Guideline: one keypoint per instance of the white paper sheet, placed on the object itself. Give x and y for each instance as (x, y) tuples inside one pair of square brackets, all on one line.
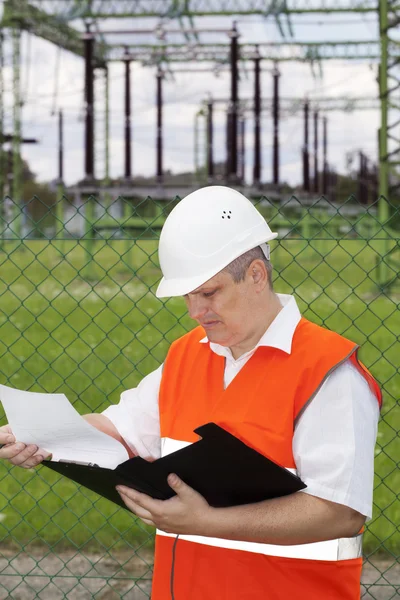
[(52, 423)]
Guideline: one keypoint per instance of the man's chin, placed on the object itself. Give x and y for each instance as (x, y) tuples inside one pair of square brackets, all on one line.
[(217, 337)]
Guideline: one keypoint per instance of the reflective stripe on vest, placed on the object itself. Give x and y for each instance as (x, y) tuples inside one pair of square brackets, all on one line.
[(332, 550)]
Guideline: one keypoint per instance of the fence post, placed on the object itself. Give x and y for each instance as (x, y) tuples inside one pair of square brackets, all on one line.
[(305, 224), (128, 213), (60, 226), (87, 271)]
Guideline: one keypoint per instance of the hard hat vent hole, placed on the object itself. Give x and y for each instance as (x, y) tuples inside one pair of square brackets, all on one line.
[(226, 214)]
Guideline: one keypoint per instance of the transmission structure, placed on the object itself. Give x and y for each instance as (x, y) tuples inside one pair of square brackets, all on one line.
[(81, 27)]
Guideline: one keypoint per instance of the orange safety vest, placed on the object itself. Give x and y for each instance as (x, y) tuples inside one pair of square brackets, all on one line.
[(260, 406)]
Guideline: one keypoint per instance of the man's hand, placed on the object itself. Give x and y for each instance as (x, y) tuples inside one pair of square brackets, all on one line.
[(187, 512), (17, 453), (29, 456), (295, 519)]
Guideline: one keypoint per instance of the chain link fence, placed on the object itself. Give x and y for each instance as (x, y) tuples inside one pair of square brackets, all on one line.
[(78, 315)]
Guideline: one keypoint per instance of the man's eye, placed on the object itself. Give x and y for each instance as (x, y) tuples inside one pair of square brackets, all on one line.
[(208, 294)]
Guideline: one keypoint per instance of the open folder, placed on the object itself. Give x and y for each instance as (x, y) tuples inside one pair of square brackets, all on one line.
[(219, 466)]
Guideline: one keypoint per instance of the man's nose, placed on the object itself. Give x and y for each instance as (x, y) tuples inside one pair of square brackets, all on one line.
[(196, 307)]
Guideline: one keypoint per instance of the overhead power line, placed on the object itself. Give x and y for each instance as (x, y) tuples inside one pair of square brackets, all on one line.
[(150, 54), (70, 10)]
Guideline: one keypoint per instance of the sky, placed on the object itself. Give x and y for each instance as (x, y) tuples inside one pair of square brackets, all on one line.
[(52, 80)]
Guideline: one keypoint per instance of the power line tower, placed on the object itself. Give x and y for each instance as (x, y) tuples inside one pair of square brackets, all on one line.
[(55, 21), (389, 85)]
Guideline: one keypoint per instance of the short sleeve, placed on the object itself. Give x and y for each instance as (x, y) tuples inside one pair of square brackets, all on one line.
[(334, 440), (136, 416)]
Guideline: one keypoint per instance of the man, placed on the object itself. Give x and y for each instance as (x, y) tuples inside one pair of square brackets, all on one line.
[(290, 389)]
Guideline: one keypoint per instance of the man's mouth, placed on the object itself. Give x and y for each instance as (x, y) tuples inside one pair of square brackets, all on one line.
[(208, 324)]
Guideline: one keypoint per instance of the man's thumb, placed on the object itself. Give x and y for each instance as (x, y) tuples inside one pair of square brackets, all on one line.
[(177, 484)]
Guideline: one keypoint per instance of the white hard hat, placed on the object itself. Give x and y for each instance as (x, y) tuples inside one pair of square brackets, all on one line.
[(206, 231)]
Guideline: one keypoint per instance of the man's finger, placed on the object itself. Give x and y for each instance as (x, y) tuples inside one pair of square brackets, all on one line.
[(23, 455), (140, 511), (36, 460), (31, 463), (6, 435), (5, 427), (11, 450), (149, 503), (149, 522)]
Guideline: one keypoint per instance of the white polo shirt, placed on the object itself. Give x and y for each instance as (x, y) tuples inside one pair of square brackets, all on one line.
[(334, 439)]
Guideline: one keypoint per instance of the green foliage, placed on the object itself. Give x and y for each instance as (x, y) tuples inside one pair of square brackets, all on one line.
[(39, 199)]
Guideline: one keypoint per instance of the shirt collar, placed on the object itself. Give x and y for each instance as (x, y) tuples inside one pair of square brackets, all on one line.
[(278, 335)]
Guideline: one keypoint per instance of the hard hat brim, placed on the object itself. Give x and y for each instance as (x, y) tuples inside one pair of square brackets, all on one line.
[(181, 286)]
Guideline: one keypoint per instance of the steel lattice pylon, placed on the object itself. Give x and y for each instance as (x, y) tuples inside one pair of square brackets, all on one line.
[(389, 83), (54, 20)]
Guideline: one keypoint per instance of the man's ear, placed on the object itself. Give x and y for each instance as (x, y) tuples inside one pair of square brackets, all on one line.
[(258, 273)]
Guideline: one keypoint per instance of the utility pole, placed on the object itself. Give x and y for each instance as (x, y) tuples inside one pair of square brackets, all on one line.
[(324, 156), (127, 127), (210, 141), (275, 116), (228, 132), (233, 107), (242, 148), (159, 144), (257, 120), (60, 147), (60, 180), (88, 40), (316, 178), (306, 153)]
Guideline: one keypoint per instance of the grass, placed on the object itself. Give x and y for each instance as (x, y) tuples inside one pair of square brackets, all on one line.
[(88, 324)]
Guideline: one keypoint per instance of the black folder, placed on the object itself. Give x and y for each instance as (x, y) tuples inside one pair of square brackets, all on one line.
[(219, 466)]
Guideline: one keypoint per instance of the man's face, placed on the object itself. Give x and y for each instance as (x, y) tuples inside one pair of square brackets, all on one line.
[(224, 308)]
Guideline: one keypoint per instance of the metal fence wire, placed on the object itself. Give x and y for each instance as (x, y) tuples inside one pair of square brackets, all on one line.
[(78, 315)]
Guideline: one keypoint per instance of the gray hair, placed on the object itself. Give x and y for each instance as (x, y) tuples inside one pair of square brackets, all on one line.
[(238, 267)]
